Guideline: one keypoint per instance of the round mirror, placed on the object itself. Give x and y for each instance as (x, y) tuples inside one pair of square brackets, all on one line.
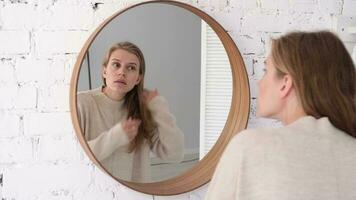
[(178, 47), (202, 99)]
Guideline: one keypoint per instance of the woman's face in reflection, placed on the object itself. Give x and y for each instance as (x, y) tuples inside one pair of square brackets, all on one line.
[(122, 72)]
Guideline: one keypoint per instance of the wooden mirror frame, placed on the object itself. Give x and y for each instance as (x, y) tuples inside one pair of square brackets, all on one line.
[(237, 119)]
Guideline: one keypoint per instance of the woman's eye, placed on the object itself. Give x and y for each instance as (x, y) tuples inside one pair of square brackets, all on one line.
[(115, 64), (132, 68)]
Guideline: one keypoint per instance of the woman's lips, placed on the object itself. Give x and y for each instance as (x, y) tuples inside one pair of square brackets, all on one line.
[(120, 82)]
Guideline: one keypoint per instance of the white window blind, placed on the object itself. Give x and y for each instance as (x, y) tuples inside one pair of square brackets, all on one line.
[(216, 89)]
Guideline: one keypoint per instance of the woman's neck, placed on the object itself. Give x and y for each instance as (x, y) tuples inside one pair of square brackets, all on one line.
[(112, 94), (292, 111), (287, 119)]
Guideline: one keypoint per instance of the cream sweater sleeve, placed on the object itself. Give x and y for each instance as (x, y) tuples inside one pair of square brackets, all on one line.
[(223, 185), (168, 142), (106, 142)]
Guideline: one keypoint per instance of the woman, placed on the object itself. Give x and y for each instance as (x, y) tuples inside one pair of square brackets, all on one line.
[(309, 85), (122, 122)]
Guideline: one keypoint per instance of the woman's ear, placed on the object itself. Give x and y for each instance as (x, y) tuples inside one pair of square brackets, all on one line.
[(103, 71), (286, 85), (139, 79)]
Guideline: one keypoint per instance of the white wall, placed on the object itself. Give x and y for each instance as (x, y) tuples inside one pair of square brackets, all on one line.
[(40, 157)]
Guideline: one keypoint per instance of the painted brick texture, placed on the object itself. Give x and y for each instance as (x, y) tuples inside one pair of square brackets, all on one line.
[(40, 157)]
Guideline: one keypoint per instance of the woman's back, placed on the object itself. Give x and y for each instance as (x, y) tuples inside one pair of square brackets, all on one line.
[(307, 159)]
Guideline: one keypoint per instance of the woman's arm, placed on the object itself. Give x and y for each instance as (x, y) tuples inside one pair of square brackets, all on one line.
[(232, 176), (106, 142), (168, 141), (223, 184)]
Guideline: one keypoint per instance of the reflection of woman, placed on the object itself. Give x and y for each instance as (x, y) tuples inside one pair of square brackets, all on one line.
[(123, 122), (309, 84)]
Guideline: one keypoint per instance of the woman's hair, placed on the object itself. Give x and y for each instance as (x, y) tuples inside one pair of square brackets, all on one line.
[(134, 102), (323, 74)]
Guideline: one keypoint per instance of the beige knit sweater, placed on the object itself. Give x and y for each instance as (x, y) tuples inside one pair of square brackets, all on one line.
[(307, 160), (100, 119)]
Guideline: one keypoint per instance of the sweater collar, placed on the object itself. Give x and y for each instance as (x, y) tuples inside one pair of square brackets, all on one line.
[(107, 100), (309, 120)]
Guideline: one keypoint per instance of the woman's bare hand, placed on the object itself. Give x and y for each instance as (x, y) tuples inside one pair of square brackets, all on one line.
[(149, 95), (130, 127)]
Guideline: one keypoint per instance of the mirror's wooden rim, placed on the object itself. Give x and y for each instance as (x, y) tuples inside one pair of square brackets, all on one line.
[(237, 119)]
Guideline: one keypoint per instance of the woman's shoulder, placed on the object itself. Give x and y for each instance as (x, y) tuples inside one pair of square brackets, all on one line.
[(302, 126), (91, 92), (88, 96), (304, 129), (256, 136)]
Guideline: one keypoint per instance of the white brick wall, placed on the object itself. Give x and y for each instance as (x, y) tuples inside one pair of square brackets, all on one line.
[(59, 42), (26, 97), (21, 16), (7, 75), (9, 124), (50, 123), (15, 150), (46, 180), (19, 43), (40, 157)]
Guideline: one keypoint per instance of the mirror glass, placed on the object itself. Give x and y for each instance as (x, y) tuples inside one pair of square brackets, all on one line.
[(187, 64)]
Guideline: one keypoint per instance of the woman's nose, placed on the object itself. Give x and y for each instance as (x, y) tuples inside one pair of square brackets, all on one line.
[(121, 71)]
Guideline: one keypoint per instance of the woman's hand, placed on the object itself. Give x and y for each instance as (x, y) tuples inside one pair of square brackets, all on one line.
[(149, 95), (130, 127)]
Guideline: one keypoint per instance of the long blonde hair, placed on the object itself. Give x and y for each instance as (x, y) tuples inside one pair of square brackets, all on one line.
[(134, 103), (323, 73)]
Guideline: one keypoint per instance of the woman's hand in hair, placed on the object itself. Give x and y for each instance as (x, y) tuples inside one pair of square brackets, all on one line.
[(130, 127), (149, 95)]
